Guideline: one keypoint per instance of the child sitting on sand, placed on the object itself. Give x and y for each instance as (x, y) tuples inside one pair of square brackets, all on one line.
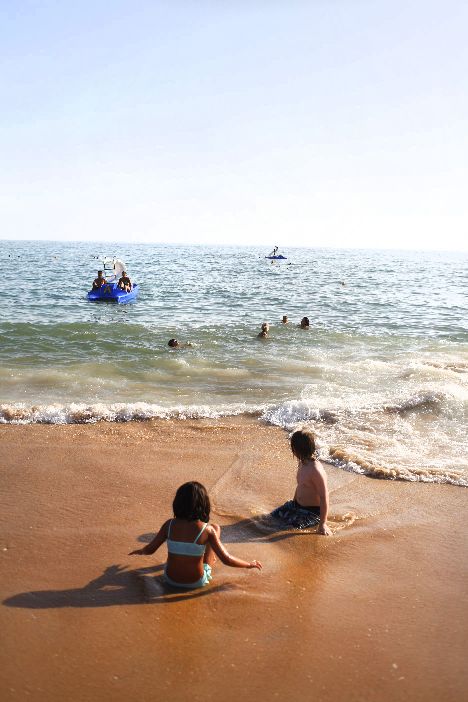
[(192, 543), (309, 506)]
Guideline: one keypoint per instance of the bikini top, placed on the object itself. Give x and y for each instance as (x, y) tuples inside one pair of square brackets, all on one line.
[(185, 548)]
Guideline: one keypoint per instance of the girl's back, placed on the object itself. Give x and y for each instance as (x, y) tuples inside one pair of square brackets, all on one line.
[(186, 544), (191, 542)]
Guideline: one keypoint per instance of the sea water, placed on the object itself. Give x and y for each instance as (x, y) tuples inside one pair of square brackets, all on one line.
[(381, 376)]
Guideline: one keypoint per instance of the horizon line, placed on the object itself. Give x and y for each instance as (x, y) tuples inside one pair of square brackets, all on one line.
[(227, 245)]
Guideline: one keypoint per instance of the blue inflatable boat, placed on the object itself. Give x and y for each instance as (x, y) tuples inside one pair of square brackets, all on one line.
[(113, 268), (110, 292)]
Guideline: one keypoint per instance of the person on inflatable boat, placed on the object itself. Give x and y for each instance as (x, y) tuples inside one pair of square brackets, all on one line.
[(99, 281), (125, 282)]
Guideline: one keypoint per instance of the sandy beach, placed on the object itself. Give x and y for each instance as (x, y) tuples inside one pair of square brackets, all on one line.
[(378, 611)]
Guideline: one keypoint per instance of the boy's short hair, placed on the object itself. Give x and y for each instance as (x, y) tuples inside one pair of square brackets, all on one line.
[(191, 502), (303, 444)]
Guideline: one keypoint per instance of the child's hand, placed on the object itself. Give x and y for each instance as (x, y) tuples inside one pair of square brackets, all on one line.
[(255, 564), (325, 530), (138, 552)]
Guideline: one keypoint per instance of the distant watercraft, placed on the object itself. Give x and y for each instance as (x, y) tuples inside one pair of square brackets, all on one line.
[(275, 256)]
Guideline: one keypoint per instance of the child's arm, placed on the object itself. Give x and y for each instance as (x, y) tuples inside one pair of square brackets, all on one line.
[(226, 557), (322, 489), (153, 546)]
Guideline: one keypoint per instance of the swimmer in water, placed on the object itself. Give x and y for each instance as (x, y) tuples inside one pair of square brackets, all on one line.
[(175, 344), (265, 329), (305, 324), (285, 319)]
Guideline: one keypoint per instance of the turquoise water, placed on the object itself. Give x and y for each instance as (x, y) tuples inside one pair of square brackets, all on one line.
[(381, 376)]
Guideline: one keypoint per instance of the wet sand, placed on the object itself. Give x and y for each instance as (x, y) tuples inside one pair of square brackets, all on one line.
[(378, 611)]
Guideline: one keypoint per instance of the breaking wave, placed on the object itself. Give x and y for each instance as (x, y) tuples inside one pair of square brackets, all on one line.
[(424, 402), (354, 463), (80, 413), (356, 439), (362, 439)]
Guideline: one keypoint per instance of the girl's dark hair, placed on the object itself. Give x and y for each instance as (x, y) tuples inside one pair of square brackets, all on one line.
[(191, 502), (303, 445)]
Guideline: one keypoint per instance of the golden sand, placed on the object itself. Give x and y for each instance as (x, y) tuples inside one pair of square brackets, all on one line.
[(375, 612)]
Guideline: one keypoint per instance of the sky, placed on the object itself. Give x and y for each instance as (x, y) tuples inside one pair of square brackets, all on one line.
[(338, 123)]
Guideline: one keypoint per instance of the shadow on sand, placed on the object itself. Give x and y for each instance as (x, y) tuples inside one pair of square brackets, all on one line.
[(263, 529), (118, 585)]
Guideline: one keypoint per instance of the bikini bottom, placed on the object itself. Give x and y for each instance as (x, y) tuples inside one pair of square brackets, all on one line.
[(204, 580)]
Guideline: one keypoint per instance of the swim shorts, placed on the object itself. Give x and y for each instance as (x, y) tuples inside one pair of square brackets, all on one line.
[(295, 516)]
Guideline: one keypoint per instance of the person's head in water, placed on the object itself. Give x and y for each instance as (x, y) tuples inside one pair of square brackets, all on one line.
[(303, 445), (173, 343), (305, 323), (285, 319), (265, 329), (191, 502)]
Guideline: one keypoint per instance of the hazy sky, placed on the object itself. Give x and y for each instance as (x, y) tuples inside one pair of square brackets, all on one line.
[(327, 122)]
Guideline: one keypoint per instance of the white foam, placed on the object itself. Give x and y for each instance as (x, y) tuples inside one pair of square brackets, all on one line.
[(291, 413), (384, 455), (81, 413), (388, 472), (361, 440)]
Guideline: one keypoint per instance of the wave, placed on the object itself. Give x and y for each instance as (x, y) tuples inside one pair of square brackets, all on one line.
[(455, 367), (288, 414), (81, 413), (391, 452), (423, 402), (292, 412), (354, 463), (362, 440)]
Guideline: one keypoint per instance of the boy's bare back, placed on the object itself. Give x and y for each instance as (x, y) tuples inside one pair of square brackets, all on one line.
[(311, 491), (311, 483)]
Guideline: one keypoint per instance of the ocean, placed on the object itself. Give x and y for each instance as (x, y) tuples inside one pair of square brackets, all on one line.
[(381, 376)]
